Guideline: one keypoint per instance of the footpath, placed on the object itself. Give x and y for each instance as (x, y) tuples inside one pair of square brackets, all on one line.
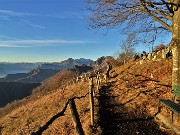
[(115, 119), (128, 103)]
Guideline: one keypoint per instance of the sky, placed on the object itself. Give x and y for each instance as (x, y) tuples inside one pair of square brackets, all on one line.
[(52, 31)]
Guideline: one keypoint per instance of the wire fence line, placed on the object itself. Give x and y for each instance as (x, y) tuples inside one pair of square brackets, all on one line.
[(61, 113), (73, 109)]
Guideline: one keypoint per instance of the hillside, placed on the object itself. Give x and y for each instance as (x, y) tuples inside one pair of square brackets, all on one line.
[(126, 105), (42, 106), (14, 87), (35, 76), (10, 91)]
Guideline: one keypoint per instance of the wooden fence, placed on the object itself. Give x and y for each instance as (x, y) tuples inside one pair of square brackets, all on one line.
[(73, 109)]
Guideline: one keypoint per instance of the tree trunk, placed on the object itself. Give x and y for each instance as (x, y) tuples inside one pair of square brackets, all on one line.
[(175, 43)]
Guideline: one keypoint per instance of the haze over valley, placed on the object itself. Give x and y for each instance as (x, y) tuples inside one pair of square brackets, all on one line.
[(22, 78)]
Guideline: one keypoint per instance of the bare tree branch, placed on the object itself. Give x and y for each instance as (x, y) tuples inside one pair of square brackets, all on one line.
[(132, 16)]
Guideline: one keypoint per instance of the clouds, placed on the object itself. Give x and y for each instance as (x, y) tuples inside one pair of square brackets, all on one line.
[(20, 17), (61, 15), (25, 18), (10, 13), (45, 29), (21, 24), (41, 43), (4, 17), (32, 24)]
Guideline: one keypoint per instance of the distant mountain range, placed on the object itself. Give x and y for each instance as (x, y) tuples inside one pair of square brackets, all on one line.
[(43, 71), (44, 77), (13, 68), (20, 85), (66, 64)]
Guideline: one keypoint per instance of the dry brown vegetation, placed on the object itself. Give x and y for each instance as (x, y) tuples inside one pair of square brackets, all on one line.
[(52, 84), (57, 81), (137, 88), (133, 89), (30, 117)]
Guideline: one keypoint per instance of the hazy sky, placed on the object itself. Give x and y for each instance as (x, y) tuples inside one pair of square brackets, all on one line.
[(51, 31)]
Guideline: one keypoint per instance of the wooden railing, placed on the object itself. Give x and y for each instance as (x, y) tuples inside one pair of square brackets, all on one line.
[(73, 109)]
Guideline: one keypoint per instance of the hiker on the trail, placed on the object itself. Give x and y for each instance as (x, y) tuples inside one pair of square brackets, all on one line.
[(98, 78), (78, 79), (169, 54), (108, 69), (149, 56), (144, 55), (136, 56), (91, 81)]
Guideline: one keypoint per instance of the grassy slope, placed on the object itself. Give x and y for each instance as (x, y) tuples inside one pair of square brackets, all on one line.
[(34, 114), (136, 86)]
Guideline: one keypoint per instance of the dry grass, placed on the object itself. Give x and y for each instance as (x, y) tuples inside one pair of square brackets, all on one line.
[(34, 114), (136, 87), (139, 86)]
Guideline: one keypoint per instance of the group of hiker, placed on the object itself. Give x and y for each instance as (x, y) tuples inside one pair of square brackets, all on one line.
[(165, 53), (98, 74)]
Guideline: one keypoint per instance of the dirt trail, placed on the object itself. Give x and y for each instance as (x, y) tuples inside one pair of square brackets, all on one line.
[(116, 120)]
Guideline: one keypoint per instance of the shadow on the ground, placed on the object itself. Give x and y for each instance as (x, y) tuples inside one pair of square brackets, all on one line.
[(147, 79), (114, 119)]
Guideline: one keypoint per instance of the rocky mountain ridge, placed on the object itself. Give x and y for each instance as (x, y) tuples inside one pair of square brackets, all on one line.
[(44, 71), (34, 78), (66, 64)]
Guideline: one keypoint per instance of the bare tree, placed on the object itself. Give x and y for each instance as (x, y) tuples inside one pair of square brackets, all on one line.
[(127, 48), (141, 16)]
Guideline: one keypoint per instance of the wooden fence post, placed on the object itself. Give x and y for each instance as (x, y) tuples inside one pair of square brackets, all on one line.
[(91, 99), (75, 117)]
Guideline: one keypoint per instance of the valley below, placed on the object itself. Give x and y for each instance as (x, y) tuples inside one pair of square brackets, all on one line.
[(17, 80), (10, 91)]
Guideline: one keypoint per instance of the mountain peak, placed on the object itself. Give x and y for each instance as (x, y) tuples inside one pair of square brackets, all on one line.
[(70, 62)]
